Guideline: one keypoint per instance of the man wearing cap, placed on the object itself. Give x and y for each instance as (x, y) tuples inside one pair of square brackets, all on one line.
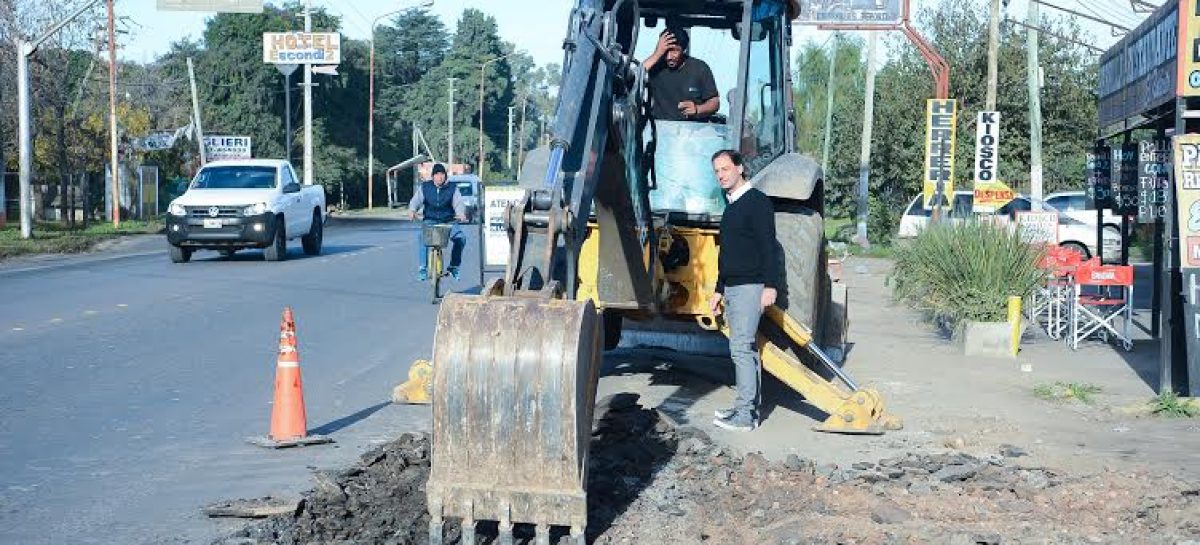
[(682, 87), (441, 203)]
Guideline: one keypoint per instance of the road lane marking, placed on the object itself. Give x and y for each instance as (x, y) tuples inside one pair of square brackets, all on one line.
[(18, 329), (56, 320), (122, 305), (91, 312)]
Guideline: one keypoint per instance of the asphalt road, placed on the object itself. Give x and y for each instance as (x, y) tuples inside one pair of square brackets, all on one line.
[(130, 384)]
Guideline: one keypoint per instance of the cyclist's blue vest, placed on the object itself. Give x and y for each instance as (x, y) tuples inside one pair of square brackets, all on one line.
[(439, 202)]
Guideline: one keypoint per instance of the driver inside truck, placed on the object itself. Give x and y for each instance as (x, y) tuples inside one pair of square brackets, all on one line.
[(682, 87)]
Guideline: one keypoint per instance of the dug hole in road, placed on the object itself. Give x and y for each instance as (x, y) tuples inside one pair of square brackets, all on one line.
[(980, 460)]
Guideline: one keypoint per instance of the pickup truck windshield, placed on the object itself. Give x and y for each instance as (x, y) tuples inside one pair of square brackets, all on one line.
[(240, 177)]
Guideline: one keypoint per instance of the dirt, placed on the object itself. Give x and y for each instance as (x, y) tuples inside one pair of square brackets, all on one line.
[(653, 482)]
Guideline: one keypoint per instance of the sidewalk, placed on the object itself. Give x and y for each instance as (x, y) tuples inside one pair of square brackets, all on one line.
[(972, 404)]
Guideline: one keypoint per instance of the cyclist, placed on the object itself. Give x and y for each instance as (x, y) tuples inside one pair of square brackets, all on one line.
[(441, 203)]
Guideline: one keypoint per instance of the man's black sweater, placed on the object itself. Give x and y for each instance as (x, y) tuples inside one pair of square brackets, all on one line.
[(748, 246)]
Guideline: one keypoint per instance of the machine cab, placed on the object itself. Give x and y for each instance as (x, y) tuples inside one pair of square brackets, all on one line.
[(747, 63)]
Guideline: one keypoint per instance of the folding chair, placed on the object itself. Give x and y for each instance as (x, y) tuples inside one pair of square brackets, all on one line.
[(1101, 294), (1050, 299)]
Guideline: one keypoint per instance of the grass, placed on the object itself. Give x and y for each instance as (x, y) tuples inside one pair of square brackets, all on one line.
[(1170, 405), (1064, 391), (54, 238)]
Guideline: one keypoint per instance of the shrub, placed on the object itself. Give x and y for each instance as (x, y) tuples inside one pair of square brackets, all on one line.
[(965, 271)]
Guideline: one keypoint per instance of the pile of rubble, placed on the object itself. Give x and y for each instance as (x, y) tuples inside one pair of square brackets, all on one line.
[(650, 481)]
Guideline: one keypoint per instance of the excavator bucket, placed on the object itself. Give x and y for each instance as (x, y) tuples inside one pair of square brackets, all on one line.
[(514, 387)]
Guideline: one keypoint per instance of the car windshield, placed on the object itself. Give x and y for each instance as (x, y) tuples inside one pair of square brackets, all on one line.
[(235, 177), (464, 189)]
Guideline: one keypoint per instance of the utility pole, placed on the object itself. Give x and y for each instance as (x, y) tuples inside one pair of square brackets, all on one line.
[(993, 54), (308, 143), (286, 70), (24, 50), (521, 138), (196, 113), (864, 161), (450, 127), (510, 131), (112, 115), (1035, 110), (829, 106)]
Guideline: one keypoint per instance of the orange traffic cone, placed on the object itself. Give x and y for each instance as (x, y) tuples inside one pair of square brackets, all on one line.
[(289, 423)]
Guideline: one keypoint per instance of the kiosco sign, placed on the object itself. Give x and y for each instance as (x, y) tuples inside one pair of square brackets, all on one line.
[(302, 47)]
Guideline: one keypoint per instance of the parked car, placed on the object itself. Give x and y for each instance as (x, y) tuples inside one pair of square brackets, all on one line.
[(249, 203), (469, 187), (1079, 206), (1077, 234)]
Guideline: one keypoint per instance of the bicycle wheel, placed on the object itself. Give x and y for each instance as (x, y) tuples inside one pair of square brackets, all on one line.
[(435, 272)]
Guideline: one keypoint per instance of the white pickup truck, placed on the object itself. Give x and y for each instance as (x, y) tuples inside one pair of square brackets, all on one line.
[(250, 203)]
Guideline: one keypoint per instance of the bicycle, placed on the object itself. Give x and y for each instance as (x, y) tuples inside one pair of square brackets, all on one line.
[(435, 237)]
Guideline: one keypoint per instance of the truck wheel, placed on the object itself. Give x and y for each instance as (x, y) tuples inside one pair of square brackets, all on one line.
[(179, 254), (804, 294), (316, 233), (277, 251)]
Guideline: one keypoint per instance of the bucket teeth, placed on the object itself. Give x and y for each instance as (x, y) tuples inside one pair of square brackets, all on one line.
[(435, 532), (506, 533), (468, 532), (542, 537)]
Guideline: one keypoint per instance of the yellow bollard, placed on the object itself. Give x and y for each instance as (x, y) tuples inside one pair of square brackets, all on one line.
[(1014, 320)]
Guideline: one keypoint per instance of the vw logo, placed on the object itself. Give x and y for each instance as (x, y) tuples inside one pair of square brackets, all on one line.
[(213, 211)]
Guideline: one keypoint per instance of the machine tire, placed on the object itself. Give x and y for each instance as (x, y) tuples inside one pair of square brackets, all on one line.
[(179, 254), (316, 234), (277, 251), (805, 291)]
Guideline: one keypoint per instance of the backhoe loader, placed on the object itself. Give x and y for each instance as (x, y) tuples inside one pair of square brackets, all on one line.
[(619, 222)]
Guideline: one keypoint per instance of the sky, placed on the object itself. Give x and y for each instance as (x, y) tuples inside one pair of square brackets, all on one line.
[(536, 26)]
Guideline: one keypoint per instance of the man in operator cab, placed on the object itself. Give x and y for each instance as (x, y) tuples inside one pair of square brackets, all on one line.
[(682, 87), (441, 203)]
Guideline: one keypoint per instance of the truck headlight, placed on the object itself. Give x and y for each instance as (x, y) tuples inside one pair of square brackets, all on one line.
[(177, 210), (255, 209)]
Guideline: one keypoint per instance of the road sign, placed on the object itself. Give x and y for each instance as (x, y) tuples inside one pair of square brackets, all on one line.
[(327, 69), (941, 117), (1153, 178), (987, 147), (220, 6), (495, 235), (843, 12), (991, 196), (286, 69), (219, 148), (302, 47), (1038, 227)]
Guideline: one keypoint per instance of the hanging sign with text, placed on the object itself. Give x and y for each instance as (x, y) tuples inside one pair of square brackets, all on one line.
[(1153, 170), (1127, 191), (1099, 174), (941, 117)]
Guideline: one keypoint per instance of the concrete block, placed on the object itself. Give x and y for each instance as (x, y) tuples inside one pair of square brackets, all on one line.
[(986, 339)]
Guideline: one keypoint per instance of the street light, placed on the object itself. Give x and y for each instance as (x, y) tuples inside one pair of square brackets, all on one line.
[(482, 69), (371, 105), (25, 49)]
